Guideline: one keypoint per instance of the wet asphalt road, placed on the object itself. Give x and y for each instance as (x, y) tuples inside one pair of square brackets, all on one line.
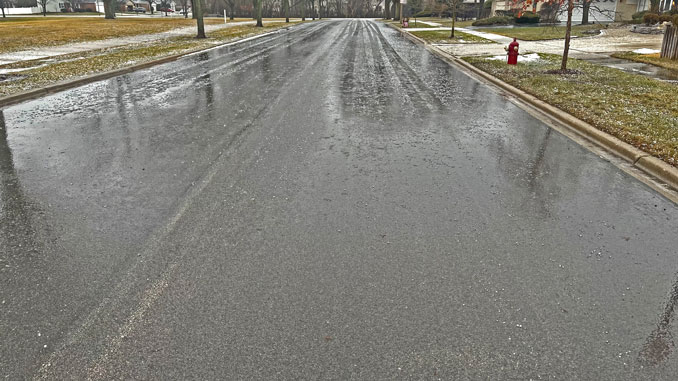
[(328, 202)]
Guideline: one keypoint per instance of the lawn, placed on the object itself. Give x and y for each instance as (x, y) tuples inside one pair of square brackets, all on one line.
[(81, 64), (443, 37), (634, 108), (419, 24), (652, 59), (30, 32), (542, 32), (444, 22)]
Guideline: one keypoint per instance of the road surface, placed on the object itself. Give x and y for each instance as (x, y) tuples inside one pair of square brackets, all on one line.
[(327, 202)]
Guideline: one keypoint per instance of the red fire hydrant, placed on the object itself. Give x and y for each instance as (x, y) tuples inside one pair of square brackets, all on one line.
[(512, 52)]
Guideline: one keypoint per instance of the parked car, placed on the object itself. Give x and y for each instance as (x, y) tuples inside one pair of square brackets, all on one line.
[(139, 10), (166, 10)]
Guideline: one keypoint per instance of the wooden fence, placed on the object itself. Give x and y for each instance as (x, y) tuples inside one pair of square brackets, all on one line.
[(670, 43)]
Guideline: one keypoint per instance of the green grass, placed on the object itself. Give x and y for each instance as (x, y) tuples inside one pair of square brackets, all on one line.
[(419, 24), (652, 59), (444, 22), (542, 32), (634, 108), (443, 37)]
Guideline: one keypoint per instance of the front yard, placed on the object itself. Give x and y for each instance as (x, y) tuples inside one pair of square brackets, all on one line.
[(35, 32), (636, 109), (537, 33), (45, 72), (443, 37)]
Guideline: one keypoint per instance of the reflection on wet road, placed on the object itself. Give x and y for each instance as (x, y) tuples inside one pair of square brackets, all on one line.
[(330, 201)]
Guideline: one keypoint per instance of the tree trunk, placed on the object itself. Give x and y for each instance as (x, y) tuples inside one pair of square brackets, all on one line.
[(454, 17), (397, 11), (303, 10), (232, 6), (3, 10), (286, 9), (197, 13), (259, 23), (387, 9), (586, 7), (568, 34)]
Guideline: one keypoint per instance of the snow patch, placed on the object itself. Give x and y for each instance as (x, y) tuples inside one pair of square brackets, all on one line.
[(646, 51), (521, 58)]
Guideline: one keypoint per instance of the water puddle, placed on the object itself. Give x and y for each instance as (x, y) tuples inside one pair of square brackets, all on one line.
[(633, 67)]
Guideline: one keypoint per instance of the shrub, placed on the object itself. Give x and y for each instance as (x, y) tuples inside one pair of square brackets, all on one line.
[(665, 18), (650, 18), (528, 18), (424, 13), (510, 13), (497, 20), (638, 15), (549, 12)]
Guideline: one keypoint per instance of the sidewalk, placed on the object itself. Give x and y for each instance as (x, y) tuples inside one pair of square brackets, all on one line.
[(610, 41), (79, 47)]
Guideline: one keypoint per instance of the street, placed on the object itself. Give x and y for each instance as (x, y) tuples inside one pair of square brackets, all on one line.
[(327, 202)]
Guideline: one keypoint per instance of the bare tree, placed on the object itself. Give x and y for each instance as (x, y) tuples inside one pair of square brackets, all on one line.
[(568, 35), (259, 22), (230, 5), (43, 5), (109, 9), (184, 7), (586, 9), (198, 15), (2, 7)]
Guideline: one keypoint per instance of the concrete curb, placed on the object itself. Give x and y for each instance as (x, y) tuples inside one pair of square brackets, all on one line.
[(71, 83), (651, 165)]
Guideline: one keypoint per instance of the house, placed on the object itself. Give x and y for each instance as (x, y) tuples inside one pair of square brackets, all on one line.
[(665, 5), (28, 7), (129, 6), (601, 10), (90, 5)]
